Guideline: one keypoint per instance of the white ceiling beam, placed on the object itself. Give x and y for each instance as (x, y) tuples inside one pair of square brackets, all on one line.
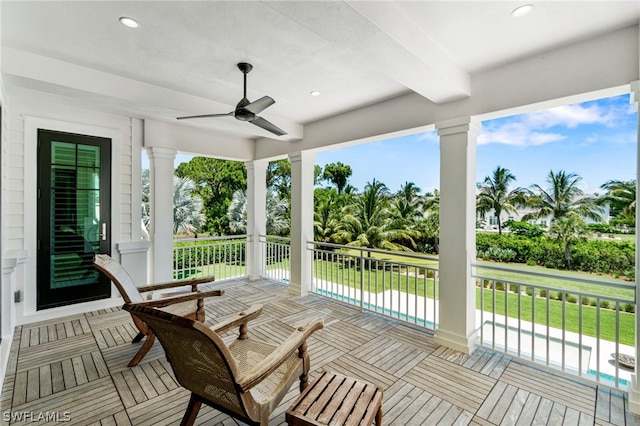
[(386, 41)]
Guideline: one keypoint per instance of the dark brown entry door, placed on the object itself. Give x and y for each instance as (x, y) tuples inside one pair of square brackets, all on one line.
[(74, 175)]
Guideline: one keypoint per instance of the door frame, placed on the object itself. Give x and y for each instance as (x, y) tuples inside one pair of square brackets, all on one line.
[(27, 310), (47, 296)]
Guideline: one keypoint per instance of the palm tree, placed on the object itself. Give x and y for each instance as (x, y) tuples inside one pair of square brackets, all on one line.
[(368, 222), (277, 221), (621, 196), (429, 225), (406, 204), (495, 195), (187, 208), (325, 216), (561, 197), (569, 229)]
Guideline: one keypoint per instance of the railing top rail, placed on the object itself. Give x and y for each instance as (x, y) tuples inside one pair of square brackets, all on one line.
[(369, 250), (263, 238), (216, 238), (546, 275)]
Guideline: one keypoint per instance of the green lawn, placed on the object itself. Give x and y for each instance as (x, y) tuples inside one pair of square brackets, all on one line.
[(573, 311), (412, 280), (406, 279)]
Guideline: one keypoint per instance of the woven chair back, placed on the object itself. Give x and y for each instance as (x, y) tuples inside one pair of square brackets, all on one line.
[(118, 276), (199, 358)]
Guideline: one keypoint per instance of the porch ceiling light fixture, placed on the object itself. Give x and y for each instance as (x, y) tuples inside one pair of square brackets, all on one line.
[(129, 22), (522, 10), (314, 93)]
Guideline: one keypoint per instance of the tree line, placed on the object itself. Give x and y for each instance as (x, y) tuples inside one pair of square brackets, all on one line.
[(404, 220)]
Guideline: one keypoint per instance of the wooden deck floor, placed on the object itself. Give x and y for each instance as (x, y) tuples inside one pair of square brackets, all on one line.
[(75, 369)]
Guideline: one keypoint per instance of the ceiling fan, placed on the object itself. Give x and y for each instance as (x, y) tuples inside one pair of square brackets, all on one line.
[(246, 110)]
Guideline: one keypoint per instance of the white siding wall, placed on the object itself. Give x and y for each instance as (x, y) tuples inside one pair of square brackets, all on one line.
[(25, 116)]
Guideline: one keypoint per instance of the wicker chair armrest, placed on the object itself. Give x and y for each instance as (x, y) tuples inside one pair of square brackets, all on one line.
[(193, 282), (268, 365), (236, 320), (167, 301)]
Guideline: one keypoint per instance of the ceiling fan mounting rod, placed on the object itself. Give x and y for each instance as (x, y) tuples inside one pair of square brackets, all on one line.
[(246, 69)]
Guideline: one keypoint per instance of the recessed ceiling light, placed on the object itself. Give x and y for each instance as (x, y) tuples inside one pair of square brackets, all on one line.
[(314, 93), (522, 10), (129, 22)]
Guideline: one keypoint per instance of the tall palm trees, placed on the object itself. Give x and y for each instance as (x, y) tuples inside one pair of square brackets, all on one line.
[(187, 208), (368, 222), (277, 222), (407, 204), (621, 195), (562, 196), (495, 195)]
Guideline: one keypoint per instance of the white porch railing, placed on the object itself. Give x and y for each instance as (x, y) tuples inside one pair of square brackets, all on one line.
[(224, 257), (400, 285), (576, 325), (276, 255)]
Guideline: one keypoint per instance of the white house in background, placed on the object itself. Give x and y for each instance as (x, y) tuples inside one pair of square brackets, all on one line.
[(489, 222)]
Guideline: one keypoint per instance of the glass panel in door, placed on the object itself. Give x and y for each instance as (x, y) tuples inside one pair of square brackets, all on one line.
[(73, 217)]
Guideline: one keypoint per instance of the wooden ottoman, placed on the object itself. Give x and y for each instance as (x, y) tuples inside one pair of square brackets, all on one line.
[(336, 400)]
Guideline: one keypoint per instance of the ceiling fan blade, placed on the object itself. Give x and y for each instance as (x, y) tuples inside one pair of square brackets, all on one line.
[(260, 105), (261, 122), (205, 116)]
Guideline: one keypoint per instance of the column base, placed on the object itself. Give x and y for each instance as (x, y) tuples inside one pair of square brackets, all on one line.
[(462, 344), (297, 290), (634, 395)]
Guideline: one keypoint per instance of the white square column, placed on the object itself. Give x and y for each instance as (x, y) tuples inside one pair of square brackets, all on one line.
[(457, 328), (634, 387), (256, 215), (302, 165), (161, 212)]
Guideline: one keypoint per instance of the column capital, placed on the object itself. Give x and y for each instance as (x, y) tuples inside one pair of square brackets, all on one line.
[(635, 94), (251, 164), (161, 153), (459, 125), (298, 155)]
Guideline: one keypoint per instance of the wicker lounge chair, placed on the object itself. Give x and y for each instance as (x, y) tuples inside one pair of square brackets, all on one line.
[(247, 379), (188, 303)]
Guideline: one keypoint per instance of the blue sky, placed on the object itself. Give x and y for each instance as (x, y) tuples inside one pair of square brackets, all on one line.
[(596, 140)]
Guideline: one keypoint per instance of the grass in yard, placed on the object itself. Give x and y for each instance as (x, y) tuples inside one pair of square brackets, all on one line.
[(590, 327), (412, 279)]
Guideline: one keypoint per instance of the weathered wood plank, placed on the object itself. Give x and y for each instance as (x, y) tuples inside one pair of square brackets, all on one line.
[(79, 364)]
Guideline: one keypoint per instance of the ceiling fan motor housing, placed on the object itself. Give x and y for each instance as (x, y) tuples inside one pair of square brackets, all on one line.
[(241, 113)]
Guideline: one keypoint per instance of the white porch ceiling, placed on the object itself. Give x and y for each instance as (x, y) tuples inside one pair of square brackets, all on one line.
[(182, 59)]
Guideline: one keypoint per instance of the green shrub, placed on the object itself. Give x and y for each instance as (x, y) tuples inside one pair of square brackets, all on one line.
[(524, 229), (605, 304), (629, 307), (597, 256), (513, 288), (585, 300), (529, 291), (543, 293), (571, 298), (499, 286)]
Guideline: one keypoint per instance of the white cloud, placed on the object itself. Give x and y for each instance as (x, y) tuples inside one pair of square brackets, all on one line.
[(536, 128), (516, 133), (572, 116)]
